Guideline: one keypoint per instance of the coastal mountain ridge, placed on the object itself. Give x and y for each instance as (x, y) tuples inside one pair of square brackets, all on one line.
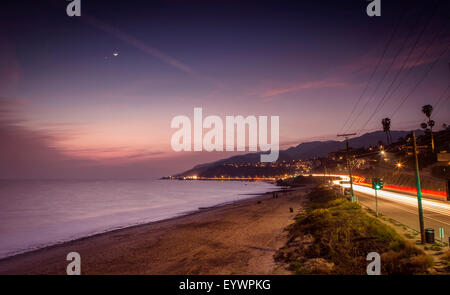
[(306, 150)]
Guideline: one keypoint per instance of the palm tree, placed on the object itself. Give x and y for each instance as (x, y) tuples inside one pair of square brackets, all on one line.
[(386, 122), (428, 110)]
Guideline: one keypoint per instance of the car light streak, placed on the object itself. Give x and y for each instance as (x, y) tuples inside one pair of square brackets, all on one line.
[(434, 206)]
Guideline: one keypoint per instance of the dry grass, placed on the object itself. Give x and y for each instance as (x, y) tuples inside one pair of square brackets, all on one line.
[(342, 234), (446, 257)]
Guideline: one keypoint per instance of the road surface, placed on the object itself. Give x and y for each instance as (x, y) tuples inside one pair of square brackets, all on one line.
[(403, 207), (408, 214)]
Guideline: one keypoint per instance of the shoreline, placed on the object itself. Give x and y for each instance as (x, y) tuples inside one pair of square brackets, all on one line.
[(100, 231), (31, 262)]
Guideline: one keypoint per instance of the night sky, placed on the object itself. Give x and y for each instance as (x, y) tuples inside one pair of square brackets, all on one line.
[(70, 108)]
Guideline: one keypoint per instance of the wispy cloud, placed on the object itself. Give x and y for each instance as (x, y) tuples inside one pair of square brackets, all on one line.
[(340, 76), (424, 53), (271, 94), (27, 152), (113, 155)]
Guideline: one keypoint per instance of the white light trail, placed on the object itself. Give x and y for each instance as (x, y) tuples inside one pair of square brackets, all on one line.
[(434, 206)]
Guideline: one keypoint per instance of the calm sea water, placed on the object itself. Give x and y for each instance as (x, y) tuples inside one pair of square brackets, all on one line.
[(35, 214)]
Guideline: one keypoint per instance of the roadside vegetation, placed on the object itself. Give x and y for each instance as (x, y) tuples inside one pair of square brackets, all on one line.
[(333, 236), (298, 181), (446, 258)]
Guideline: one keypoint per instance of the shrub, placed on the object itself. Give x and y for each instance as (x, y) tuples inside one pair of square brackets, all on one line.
[(446, 257), (342, 236)]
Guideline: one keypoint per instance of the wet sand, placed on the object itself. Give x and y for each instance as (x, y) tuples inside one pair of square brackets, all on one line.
[(238, 238)]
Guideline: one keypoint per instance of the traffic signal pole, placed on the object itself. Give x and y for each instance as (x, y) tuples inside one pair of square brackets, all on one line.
[(419, 193), (376, 201)]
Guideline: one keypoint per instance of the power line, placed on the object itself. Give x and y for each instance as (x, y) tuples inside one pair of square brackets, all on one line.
[(420, 81), (437, 112), (438, 109), (386, 46), (410, 33), (441, 97), (383, 99), (438, 104), (438, 33)]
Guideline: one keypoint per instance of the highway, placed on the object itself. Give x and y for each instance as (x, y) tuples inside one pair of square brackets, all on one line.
[(403, 207)]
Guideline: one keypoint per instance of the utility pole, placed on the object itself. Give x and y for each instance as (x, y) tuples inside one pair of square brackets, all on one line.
[(376, 202), (419, 193), (327, 171), (349, 164)]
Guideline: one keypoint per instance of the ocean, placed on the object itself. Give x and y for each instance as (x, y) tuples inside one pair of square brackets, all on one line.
[(39, 213)]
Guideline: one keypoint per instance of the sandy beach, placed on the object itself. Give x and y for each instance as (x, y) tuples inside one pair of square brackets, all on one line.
[(237, 238)]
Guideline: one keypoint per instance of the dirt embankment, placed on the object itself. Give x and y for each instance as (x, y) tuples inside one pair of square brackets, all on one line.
[(403, 178)]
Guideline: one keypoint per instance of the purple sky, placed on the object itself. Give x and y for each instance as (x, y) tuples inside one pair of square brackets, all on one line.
[(69, 108)]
